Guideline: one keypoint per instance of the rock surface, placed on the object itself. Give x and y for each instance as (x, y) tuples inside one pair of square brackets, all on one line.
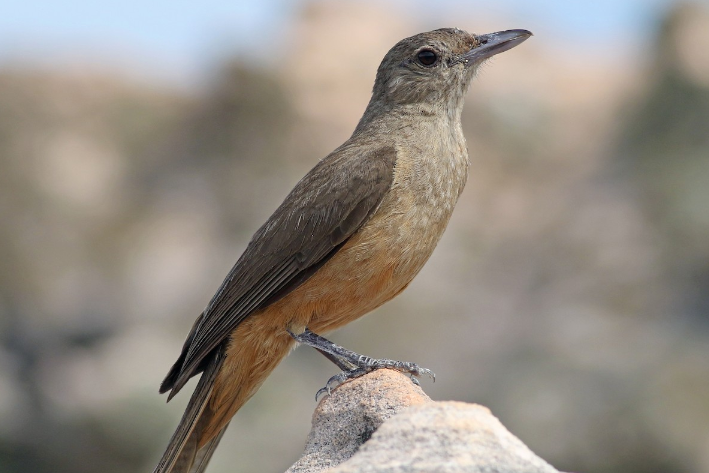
[(382, 422)]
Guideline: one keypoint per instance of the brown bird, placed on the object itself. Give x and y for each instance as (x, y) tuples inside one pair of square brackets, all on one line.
[(351, 235)]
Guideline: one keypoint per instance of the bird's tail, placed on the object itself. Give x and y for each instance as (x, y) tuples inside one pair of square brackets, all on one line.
[(231, 376), (183, 453)]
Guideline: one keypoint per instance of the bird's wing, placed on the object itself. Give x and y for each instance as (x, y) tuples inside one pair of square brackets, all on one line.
[(323, 210)]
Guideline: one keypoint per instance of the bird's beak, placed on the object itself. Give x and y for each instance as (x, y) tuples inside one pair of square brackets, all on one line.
[(494, 43)]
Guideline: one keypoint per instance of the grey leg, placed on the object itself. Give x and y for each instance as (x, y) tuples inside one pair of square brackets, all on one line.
[(353, 364)]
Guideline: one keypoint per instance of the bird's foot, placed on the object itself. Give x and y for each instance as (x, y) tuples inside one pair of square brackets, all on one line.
[(338, 379), (354, 365), (373, 364)]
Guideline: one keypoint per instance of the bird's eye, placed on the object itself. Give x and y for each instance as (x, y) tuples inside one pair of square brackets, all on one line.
[(427, 57)]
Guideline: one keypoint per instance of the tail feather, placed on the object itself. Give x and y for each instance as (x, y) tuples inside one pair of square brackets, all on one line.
[(182, 450), (204, 454)]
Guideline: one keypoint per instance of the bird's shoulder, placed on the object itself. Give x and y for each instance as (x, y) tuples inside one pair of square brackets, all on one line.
[(352, 176)]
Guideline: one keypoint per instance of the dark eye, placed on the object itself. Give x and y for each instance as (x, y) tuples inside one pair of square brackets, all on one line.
[(427, 57)]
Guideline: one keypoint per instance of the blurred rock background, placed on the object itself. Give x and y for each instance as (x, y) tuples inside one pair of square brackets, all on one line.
[(570, 293)]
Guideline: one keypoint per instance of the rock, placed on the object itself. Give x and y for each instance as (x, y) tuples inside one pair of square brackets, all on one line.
[(346, 419), (382, 422)]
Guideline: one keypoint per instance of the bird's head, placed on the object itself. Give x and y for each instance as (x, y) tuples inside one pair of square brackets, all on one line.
[(435, 68)]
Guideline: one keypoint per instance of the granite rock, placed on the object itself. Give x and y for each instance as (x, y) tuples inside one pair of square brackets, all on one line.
[(382, 422)]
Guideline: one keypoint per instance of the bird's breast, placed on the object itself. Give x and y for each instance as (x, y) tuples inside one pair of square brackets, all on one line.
[(383, 256)]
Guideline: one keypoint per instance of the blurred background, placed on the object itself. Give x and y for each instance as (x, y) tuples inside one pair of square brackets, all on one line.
[(142, 144)]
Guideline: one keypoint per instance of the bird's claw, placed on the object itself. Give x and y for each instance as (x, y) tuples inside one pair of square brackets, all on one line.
[(322, 391), (427, 372), (338, 379), (412, 369), (417, 371)]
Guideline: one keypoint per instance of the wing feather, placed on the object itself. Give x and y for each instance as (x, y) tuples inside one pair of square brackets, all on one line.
[(324, 209)]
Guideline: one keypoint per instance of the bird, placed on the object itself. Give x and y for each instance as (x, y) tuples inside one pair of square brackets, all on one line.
[(351, 235)]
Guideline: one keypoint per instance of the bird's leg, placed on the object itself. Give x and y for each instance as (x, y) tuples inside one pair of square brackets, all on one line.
[(341, 363), (353, 364)]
